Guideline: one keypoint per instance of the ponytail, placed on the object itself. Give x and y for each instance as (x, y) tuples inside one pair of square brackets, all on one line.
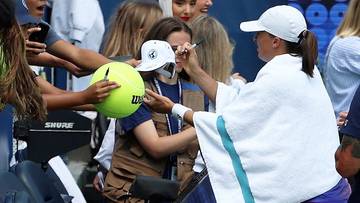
[(307, 48)]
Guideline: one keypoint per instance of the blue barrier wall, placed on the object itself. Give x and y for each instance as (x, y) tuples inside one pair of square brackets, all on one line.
[(323, 17)]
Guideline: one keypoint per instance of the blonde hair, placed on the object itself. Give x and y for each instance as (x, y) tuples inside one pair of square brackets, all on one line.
[(129, 26), (215, 52), (350, 25)]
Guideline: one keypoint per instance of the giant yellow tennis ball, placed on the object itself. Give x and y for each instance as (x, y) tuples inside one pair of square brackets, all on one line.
[(126, 99)]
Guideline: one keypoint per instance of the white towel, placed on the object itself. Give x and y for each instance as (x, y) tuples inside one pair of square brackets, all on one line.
[(284, 131)]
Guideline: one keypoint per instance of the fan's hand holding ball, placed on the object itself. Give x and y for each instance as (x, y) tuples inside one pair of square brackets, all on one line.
[(125, 100), (98, 91)]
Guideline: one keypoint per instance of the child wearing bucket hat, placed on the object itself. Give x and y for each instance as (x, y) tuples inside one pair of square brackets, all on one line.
[(275, 136)]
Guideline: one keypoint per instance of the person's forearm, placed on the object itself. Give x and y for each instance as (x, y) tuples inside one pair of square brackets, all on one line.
[(85, 107), (47, 60), (207, 84), (83, 58), (170, 144), (189, 117), (91, 59), (48, 88), (60, 62), (66, 100), (44, 59)]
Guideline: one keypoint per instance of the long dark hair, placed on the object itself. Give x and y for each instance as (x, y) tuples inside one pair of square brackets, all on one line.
[(307, 47), (163, 28), (17, 82)]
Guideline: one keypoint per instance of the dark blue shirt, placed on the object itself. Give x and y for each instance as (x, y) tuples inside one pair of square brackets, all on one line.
[(352, 127), (139, 116), (144, 113)]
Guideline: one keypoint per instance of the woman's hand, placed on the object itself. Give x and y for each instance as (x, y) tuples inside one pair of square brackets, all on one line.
[(186, 55), (73, 69), (35, 47), (157, 102), (98, 182), (98, 91), (188, 58), (31, 46), (133, 62)]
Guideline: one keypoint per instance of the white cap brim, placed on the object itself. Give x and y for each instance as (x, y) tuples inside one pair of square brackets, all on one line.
[(251, 26), (145, 67)]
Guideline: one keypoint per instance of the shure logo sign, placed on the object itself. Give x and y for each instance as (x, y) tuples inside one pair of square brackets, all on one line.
[(64, 125)]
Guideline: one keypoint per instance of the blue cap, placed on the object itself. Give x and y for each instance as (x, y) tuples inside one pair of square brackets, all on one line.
[(352, 126), (22, 14)]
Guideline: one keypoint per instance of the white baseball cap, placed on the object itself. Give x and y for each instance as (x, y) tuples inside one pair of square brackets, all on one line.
[(283, 21), (157, 55)]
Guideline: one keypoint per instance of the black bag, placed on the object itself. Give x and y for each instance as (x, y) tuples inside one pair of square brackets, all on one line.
[(154, 188)]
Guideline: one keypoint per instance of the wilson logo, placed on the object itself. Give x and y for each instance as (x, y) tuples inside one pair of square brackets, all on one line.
[(62, 125), (137, 99)]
